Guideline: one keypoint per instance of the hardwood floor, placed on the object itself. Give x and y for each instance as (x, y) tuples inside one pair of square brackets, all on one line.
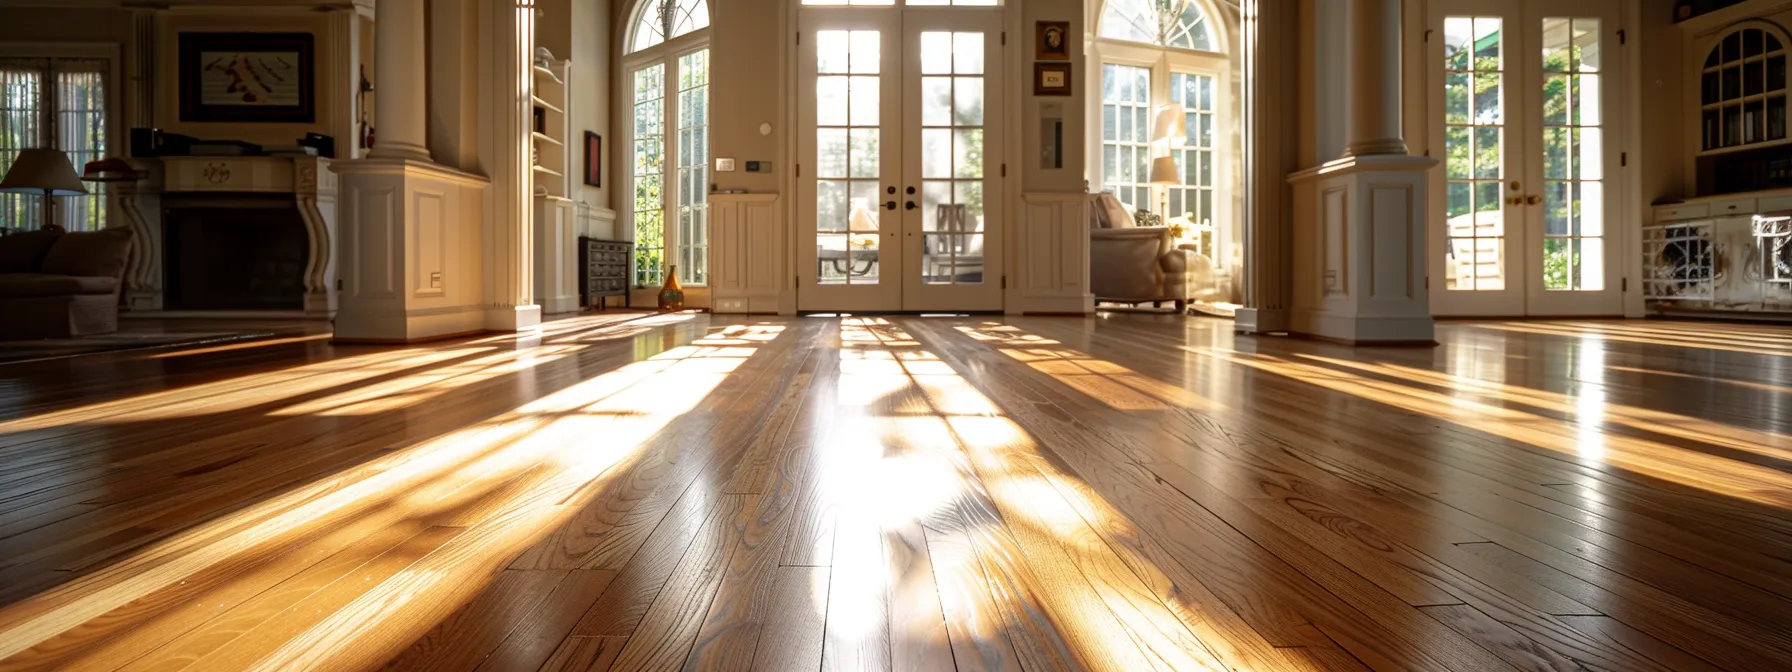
[(1130, 492)]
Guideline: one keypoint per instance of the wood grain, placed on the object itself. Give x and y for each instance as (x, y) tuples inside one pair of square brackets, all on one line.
[(901, 493)]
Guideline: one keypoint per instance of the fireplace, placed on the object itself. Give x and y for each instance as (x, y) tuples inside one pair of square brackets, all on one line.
[(233, 253), (249, 233)]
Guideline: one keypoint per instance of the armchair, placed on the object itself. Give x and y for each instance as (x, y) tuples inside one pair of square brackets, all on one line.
[(1143, 265)]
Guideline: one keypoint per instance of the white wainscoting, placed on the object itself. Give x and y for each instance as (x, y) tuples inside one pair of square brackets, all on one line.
[(556, 255), (411, 256), (749, 263), (1050, 244)]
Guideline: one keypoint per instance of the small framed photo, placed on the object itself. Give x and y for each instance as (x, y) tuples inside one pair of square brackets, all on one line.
[(1051, 79), (1051, 40), (247, 77), (594, 159)]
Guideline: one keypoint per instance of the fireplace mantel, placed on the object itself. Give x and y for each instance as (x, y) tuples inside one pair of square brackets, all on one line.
[(308, 179)]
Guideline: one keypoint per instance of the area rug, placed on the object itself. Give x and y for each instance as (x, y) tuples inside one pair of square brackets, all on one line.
[(12, 352)]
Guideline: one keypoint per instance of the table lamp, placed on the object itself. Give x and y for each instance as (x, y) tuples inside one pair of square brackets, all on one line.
[(44, 172)]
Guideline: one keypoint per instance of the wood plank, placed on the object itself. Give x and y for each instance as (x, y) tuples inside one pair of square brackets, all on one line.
[(668, 630), (793, 640), (542, 633), (585, 654), (466, 637)]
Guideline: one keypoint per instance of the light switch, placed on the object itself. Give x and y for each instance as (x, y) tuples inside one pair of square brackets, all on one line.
[(435, 279), (725, 165)]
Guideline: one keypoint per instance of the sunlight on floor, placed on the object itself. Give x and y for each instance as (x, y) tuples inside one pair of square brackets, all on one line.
[(507, 481)]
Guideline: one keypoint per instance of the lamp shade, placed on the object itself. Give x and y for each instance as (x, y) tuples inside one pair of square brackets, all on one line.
[(1171, 124), (45, 172), (109, 170), (860, 219), (1163, 171)]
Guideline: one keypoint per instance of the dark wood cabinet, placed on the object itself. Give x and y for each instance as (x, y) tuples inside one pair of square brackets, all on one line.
[(603, 270)]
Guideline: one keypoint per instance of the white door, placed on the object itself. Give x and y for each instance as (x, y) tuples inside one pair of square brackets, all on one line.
[(899, 186), (1523, 218)]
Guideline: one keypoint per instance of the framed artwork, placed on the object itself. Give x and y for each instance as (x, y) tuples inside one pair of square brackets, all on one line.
[(1051, 79), (1051, 40), (594, 159), (254, 77)]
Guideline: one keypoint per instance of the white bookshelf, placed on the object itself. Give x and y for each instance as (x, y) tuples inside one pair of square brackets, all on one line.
[(556, 237)]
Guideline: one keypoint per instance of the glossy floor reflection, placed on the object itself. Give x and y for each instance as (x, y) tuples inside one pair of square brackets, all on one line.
[(1128, 492)]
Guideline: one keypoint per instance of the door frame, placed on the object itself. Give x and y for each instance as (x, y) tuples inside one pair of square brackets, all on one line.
[(1621, 133)]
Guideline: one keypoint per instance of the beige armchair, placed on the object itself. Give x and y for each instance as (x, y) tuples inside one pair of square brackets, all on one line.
[(1143, 265)]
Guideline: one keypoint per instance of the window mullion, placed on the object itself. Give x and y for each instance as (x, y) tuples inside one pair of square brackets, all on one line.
[(669, 233)]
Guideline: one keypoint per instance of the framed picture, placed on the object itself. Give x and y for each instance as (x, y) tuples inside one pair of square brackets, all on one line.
[(594, 159), (1051, 40), (1051, 79), (254, 77)]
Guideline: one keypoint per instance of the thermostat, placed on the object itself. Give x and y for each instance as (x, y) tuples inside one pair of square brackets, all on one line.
[(727, 165)]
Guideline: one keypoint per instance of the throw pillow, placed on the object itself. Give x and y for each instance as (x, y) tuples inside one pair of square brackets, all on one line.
[(102, 253), (24, 252)]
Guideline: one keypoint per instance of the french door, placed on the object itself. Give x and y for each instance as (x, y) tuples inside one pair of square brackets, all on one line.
[(1524, 211), (899, 184)]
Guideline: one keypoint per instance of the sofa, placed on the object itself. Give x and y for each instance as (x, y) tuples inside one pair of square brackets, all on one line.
[(56, 285), (1141, 264)]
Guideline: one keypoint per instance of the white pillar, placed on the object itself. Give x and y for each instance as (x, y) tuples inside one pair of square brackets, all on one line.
[(1372, 79), (507, 47), (399, 97)]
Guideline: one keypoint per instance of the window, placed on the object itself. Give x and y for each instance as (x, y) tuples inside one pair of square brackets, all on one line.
[(58, 103), (1155, 54), (1126, 134), (1165, 23), (668, 129), (1742, 89)]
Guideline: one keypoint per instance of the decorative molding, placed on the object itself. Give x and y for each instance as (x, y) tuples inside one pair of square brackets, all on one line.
[(1051, 260), (1358, 250), (748, 262)]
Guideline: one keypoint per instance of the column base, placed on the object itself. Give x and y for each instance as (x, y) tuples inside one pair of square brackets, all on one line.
[(1261, 320), (512, 318), (1359, 251), (140, 300)]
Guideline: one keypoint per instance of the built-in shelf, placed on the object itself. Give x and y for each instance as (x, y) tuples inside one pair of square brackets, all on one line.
[(546, 105), (549, 171), (548, 138), (548, 73)]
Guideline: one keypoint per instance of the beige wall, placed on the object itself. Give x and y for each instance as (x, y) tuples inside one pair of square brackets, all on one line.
[(590, 34)]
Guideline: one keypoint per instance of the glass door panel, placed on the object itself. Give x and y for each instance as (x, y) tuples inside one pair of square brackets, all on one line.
[(1474, 253), (850, 74), (1573, 275), (952, 101)]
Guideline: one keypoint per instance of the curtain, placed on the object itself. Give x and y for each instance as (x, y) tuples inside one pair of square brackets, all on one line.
[(58, 103), (81, 133), (21, 127)]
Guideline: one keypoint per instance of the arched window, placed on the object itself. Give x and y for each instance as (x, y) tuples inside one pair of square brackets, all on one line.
[(1154, 59), (666, 132), (1165, 23), (1742, 88)]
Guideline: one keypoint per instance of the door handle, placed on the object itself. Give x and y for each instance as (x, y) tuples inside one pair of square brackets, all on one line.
[(1533, 199), (910, 205), (889, 205), (1515, 200)]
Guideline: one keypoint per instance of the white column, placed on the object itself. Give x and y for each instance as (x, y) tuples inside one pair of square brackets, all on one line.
[(399, 96), (342, 58), (507, 46), (1271, 70), (1372, 79)]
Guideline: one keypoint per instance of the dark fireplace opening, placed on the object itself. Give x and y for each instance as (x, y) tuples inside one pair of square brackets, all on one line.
[(234, 254)]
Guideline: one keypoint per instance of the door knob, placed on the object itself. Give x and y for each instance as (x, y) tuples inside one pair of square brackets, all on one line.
[(1533, 199), (1515, 200), (889, 205), (910, 205)]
